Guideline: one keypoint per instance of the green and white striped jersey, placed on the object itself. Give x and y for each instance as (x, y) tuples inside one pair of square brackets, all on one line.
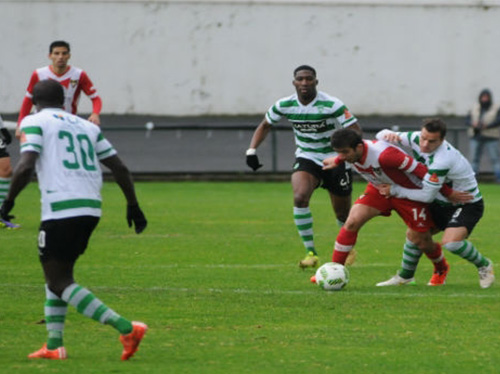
[(446, 164), (68, 170), (313, 124)]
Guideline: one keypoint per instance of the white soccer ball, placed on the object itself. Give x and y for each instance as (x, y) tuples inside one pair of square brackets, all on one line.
[(332, 276)]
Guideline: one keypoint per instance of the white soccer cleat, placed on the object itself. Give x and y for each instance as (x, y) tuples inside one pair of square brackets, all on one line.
[(486, 275), (397, 281)]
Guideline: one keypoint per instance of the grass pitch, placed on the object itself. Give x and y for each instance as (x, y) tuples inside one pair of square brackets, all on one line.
[(215, 277)]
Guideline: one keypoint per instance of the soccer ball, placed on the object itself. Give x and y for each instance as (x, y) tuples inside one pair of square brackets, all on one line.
[(332, 276)]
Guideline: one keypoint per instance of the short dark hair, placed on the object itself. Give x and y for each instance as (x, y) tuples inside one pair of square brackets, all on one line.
[(435, 125), (48, 93), (304, 67), (59, 43), (343, 138)]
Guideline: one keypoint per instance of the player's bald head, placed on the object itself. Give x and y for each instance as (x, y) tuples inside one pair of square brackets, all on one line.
[(48, 93)]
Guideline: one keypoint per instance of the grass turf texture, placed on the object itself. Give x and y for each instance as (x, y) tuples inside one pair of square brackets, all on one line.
[(215, 276)]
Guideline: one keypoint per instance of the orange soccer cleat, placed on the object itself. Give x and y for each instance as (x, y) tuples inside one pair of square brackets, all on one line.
[(439, 277), (131, 341), (51, 354)]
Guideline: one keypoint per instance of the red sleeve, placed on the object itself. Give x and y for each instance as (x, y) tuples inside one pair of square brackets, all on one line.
[(338, 160), (393, 158), (96, 105), (91, 91), (27, 103), (446, 190), (87, 85)]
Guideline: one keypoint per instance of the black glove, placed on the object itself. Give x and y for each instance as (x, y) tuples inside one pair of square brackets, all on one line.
[(135, 215), (6, 207), (7, 138), (253, 162)]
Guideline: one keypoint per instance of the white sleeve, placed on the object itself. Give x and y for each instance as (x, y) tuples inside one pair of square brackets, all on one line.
[(426, 194), (382, 133)]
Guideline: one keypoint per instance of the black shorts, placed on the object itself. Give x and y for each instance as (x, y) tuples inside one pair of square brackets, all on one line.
[(467, 215), (65, 239), (338, 180), (3, 151)]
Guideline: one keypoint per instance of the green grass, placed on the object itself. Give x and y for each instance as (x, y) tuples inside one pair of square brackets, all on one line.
[(215, 276)]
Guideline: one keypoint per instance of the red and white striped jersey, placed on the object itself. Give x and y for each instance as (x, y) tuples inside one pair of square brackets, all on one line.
[(383, 163)]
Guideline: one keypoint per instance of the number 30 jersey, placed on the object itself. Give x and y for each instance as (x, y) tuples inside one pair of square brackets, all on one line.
[(68, 170)]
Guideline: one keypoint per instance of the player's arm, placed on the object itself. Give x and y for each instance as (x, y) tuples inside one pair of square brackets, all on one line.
[(332, 162), (21, 177), (27, 103), (89, 90), (258, 137), (124, 180)]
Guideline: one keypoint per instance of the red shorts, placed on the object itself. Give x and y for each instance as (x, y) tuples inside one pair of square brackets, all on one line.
[(415, 214)]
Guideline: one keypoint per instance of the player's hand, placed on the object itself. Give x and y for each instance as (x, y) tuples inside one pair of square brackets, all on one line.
[(329, 163), (5, 209), (392, 137), (5, 136), (94, 118), (253, 160), (384, 189), (459, 197), (136, 216)]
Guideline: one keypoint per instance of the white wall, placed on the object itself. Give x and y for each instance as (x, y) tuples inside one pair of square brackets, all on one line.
[(236, 57)]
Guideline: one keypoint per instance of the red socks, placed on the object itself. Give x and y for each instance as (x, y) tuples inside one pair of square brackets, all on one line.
[(343, 245)]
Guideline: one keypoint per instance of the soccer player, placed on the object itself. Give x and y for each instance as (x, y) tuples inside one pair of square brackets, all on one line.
[(446, 165), (382, 163), (65, 150), (73, 79), (5, 170), (314, 115)]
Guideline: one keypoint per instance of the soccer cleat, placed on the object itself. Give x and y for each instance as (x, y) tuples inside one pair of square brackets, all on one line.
[(486, 275), (313, 279), (351, 257), (51, 354), (439, 277), (8, 224), (397, 280), (310, 261), (131, 341)]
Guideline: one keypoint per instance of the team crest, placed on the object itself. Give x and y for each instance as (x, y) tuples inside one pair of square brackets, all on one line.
[(434, 178), (73, 82)]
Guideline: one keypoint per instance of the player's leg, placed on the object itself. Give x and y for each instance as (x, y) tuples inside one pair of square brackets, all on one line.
[(455, 240), (347, 236), (338, 183), (434, 252), (417, 217), (5, 178), (61, 242), (304, 182)]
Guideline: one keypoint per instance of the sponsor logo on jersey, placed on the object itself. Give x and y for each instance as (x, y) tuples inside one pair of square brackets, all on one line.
[(310, 126)]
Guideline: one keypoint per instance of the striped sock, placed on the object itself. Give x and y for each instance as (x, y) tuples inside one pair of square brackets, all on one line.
[(467, 251), (304, 222), (55, 314), (4, 188), (87, 304), (411, 256)]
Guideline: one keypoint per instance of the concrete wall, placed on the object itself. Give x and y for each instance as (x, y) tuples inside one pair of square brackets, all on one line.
[(236, 57)]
